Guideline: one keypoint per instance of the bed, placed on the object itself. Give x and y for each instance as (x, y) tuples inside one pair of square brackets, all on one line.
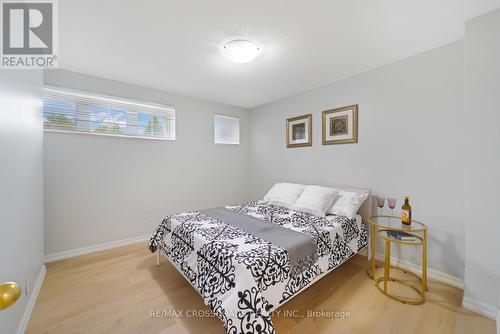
[(242, 276)]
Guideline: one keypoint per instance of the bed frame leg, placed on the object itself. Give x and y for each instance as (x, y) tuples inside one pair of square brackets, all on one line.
[(157, 258)]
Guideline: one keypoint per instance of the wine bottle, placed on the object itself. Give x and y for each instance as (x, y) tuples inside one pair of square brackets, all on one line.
[(406, 212)]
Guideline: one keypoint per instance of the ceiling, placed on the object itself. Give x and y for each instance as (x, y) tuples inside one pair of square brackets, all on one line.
[(172, 45)]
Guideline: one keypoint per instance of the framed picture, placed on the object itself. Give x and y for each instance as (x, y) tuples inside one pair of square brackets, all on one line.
[(340, 126), (299, 131)]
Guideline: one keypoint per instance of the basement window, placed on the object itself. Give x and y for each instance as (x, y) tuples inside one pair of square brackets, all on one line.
[(89, 113)]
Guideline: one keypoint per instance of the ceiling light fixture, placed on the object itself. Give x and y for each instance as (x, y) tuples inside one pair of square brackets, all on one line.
[(240, 51)]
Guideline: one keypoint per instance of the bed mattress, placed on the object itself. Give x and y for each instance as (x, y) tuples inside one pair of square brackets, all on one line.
[(243, 277)]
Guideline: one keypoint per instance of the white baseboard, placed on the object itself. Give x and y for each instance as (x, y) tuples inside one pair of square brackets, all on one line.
[(431, 273), (92, 249), (481, 308), (31, 302), (498, 321)]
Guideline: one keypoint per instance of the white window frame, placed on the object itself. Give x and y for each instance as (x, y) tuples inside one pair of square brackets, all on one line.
[(163, 110), (232, 118)]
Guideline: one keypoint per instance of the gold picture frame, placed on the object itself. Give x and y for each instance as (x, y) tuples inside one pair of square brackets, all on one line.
[(299, 131), (340, 125)]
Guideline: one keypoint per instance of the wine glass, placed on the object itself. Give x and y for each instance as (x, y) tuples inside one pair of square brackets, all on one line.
[(392, 204), (380, 203)]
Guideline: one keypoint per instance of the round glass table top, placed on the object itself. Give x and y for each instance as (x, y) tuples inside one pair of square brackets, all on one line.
[(394, 223)]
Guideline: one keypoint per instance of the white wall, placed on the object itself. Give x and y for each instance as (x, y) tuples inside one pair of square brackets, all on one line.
[(410, 142), (482, 73), (21, 187), (98, 189)]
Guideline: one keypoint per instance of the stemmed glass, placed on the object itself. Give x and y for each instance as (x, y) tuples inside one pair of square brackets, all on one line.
[(380, 203), (392, 204)]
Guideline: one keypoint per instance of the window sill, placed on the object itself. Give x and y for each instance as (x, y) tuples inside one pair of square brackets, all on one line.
[(107, 135)]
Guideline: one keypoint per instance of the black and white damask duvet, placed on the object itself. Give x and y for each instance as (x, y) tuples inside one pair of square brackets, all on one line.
[(242, 277)]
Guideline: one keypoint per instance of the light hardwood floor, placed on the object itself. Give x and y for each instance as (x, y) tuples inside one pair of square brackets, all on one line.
[(115, 291)]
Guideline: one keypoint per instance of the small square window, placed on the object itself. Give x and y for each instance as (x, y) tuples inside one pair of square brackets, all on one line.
[(226, 130)]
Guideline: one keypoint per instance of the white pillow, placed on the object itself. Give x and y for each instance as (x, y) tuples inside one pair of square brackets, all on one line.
[(284, 194), (348, 203), (315, 200)]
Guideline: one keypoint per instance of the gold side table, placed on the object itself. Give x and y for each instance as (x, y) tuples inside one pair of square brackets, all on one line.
[(379, 226)]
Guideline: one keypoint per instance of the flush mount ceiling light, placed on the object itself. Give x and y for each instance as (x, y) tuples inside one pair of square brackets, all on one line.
[(240, 50)]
